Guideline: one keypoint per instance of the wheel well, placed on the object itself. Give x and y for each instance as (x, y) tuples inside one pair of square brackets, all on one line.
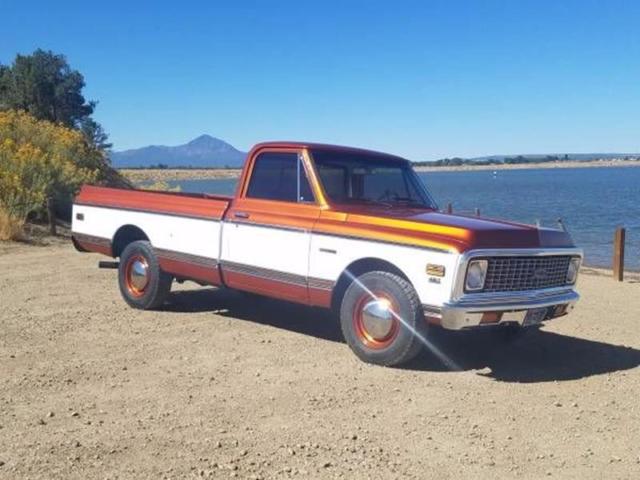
[(356, 269), (124, 236)]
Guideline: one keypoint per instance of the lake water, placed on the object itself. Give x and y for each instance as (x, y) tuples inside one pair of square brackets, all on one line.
[(591, 201)]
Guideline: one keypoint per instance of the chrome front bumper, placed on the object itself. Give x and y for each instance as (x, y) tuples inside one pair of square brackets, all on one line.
[(512, 307)]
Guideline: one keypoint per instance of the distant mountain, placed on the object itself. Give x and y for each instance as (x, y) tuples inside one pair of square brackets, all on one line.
[(204, 151)]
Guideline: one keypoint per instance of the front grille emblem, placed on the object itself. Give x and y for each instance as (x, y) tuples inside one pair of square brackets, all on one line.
[(540, 274)]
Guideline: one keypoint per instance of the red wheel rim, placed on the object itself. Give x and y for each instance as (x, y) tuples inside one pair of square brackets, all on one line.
[(136, 275), (375, 320)]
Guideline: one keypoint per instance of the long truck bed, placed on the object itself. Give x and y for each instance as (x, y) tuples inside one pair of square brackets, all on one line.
[(184, 228)]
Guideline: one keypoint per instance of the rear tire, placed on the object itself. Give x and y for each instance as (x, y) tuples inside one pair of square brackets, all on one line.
[(142, 282), (381, 318)]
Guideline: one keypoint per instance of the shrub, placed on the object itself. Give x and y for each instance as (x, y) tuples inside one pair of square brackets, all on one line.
[(162, 186), (40, 160)]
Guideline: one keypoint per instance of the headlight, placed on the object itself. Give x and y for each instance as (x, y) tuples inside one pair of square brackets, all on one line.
[(476, 273), (572, 271)]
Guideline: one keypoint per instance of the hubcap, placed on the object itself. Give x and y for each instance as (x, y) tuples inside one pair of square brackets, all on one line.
[(137, 275), (377, 319)]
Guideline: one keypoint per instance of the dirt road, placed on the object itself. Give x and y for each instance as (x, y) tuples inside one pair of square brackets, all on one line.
[(222, 385)]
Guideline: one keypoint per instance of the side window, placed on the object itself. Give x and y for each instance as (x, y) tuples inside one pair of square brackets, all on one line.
[(275, 177)]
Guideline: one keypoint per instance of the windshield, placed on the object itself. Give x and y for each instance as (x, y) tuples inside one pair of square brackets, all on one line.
[(368, 178)]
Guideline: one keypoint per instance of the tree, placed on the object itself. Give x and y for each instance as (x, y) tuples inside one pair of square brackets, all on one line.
[(4, 72), (95, 134), (44, 85)]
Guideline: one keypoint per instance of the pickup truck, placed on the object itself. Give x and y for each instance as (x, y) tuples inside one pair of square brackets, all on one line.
[(351, 230)]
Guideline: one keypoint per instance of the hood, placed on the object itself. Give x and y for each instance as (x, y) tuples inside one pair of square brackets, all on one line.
[(460, 232)]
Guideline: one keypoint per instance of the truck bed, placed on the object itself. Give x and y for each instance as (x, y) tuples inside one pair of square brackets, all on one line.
[(197, 205), (184, 228)]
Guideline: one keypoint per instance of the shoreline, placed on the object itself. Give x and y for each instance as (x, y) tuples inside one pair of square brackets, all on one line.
[(155, 175), (534, 166)]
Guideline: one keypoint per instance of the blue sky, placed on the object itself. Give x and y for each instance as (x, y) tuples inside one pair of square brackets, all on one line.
[(424, 79)]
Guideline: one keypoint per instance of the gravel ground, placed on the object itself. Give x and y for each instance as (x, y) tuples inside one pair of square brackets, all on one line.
[(223, 385)]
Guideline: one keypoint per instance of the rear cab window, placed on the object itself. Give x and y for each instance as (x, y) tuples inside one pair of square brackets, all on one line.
[(279, 176)]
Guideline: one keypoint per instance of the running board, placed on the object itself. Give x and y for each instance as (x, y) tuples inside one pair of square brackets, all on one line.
[(107, 264)]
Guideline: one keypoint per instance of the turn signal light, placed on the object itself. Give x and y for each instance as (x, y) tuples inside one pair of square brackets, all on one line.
[(491, 317)]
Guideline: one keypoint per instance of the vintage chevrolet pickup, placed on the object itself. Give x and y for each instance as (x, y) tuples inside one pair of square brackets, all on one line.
[(342, 228)]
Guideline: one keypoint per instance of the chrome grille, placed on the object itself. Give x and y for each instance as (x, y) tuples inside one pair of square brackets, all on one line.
[(508, 274)]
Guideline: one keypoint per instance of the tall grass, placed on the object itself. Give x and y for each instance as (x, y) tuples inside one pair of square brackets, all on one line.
[(11, 228)]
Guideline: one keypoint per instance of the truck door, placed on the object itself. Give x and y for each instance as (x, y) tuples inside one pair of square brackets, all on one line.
[(267, 231)]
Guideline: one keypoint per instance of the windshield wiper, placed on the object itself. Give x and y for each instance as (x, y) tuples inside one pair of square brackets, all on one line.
[(368, 201), (409, 201)]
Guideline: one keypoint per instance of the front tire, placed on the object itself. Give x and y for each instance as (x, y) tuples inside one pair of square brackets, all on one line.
[(142, 282), (381, 319)]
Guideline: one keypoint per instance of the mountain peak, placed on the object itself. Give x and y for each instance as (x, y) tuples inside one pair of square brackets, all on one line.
[(203, 151), (205, 140)]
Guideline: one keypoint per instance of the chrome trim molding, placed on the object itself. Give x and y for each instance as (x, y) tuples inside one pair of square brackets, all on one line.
[(520, 273), (249, 223), (186, 258), (278, 276), (142, 210), (83, 237), (432, 311), (320, 283), (265, 273), (510, 298)]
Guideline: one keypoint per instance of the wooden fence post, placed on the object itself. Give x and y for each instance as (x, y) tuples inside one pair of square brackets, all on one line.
[(51, 215), (618, 254), (449, 208)]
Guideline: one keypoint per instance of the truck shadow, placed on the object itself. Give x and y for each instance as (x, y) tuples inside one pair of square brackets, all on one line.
[(540, 356), (315, 322)]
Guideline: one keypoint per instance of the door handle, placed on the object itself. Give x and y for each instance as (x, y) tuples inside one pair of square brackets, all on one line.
[(241, 214)]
